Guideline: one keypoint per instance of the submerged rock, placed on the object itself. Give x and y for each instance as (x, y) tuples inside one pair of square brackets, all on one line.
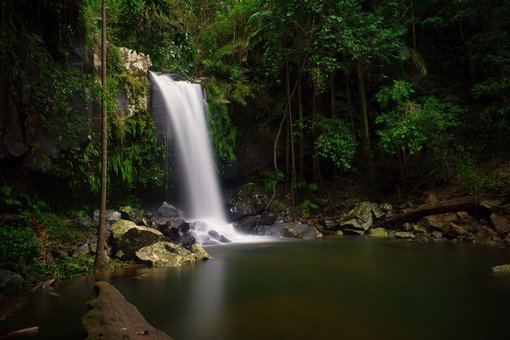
[(110, 316), (167, 254), (128, 238)]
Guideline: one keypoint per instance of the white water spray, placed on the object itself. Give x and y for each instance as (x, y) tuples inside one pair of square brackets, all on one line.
[(185, 105)]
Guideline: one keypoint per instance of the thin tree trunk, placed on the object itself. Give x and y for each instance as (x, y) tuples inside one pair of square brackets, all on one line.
[(101, 257), (301, 131), (291, 131), (333, 101), (367, 150), (316, 170)]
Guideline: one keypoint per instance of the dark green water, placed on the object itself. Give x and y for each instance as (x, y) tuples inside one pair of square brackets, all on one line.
[(349, 289)]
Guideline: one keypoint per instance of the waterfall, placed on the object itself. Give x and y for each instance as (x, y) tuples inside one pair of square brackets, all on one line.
[(185, 105)]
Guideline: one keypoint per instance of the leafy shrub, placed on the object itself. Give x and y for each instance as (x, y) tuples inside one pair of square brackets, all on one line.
[(18, 247)]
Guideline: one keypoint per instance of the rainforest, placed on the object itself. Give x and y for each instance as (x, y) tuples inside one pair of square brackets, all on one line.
[(255, 169)]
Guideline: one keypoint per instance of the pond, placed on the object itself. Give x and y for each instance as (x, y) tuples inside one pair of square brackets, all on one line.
[(347, 289)]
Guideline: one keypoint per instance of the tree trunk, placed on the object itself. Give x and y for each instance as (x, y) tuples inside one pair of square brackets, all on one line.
[(367, 150), (101, 257), (468, 203), (301, 130), (316, 170), (291, 132)]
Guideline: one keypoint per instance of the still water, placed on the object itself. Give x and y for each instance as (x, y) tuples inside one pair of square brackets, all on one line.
[(348, 289)]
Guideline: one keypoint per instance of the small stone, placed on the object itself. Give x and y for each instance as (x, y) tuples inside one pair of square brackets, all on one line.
[(431, 199), (407, 226), (404, 235), (419, 228), (330, 224), (339, 233), (437, 234), (463, 215)]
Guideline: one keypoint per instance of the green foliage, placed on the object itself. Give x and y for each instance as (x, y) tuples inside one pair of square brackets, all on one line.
[(479, 180), (307, 207), (67, 267), (410, 126), (335, 142), (269, 179), (65, 231), (18, 247)]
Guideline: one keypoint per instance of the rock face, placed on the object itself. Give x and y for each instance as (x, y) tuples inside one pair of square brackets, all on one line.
[(167, 254), (110, 316), (168, 211), (128, 238), (134, 215)]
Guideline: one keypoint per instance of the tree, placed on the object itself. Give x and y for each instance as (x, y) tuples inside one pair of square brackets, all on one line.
[(101, 256)]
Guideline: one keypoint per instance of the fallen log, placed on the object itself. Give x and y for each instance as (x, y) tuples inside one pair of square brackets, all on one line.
[(21, 332), (467, 203)]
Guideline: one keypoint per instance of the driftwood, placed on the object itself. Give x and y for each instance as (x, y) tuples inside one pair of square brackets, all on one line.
[(21, 332), (467, 203)]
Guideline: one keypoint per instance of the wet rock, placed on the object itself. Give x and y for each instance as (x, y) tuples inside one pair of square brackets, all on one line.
[(128, 238), (200, 252), (168, 211), (110, 316), (431, 199), (339, 233), (187, 241), (301, 230), (218, 237), (246, 224), (165, 254), (501, 223), (378, 232), (405, 235)]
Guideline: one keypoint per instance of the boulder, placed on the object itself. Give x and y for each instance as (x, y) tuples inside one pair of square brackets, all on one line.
[(362, 216), (438, 221), (243, 203), (218, 237), (246, 223), (10, 282), (501, 223), (133, 215), (128, 238), (165, 254), (111, 216), (200, 252), (168, 211), (378, 232), (267, 218), (110, 316), (301, 230)]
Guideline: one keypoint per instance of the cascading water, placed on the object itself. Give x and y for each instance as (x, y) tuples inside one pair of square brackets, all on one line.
[(185, 106)]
